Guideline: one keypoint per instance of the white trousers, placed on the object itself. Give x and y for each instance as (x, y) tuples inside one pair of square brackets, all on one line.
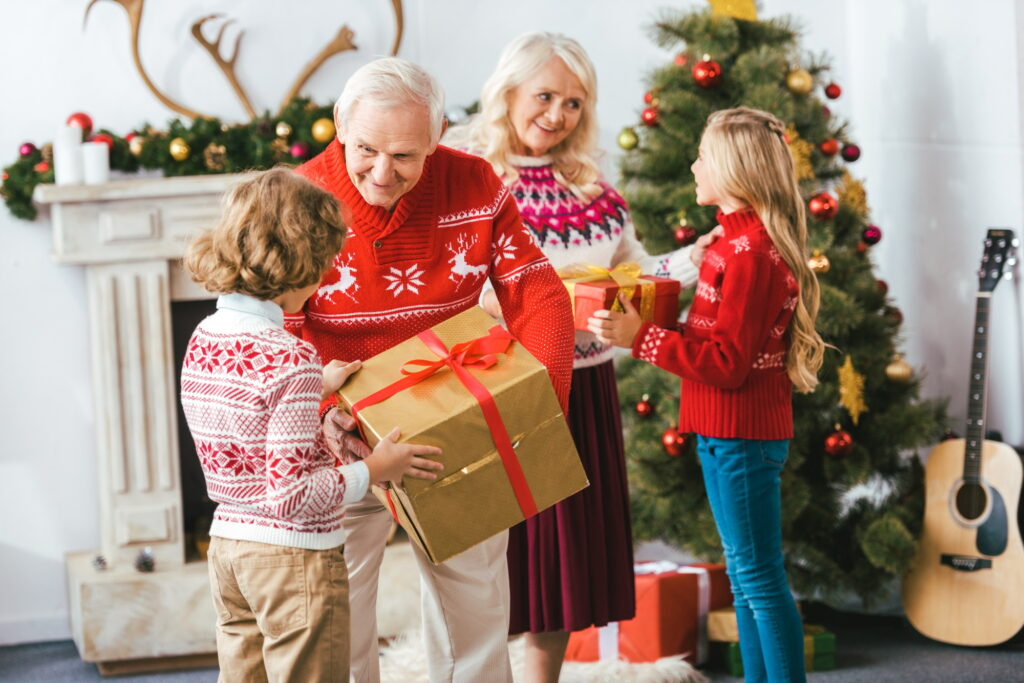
[(465, 603)]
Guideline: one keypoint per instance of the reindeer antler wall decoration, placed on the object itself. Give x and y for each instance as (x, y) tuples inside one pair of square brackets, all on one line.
[(341, 42)]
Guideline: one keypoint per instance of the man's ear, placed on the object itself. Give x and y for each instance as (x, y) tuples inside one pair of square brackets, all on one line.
[(337, 126), (444, 127)]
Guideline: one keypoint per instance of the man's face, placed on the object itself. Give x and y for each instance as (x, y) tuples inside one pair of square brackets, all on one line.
[(385, 150)]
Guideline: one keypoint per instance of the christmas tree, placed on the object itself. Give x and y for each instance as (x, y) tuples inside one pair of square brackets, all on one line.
[(852, 488)]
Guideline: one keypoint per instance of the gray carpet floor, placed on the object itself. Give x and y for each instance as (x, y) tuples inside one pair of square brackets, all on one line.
[(871, 649)]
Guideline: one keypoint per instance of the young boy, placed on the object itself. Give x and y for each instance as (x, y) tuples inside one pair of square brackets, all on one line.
[(250, 391)]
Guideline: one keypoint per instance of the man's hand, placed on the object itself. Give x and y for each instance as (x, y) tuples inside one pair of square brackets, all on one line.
[(342, 435), (700, 247), (617, 329)]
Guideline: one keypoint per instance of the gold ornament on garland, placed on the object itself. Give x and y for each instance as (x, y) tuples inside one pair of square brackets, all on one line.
[(179, 149), (323, 130), (800, 150), (852, 194), (899, 370), (214, 155), (628, 139), (818, 262), (851, 390), (135, 145), (799, 81), (737, 9), (283, 129)]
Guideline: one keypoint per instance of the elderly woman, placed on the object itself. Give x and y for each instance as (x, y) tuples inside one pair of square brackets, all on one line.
[(571, 566)]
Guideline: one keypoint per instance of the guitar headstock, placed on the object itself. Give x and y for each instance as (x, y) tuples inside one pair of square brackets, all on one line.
[(999, 256)]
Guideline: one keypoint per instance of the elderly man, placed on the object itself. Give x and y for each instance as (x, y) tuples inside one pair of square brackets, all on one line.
[(427, 227)]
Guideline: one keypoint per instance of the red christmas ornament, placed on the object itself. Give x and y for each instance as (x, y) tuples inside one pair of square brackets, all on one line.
[(685, 235), (851, 152), (883, 287), (6, 175), (826, 111), (680, 59), (300, 150), (42, 167), (104, 138), (650, 116), (895, 314), (823, 206), (862, 247), (829, 147), (644, 407), (839, 443), (27, 149), (707, 73), (872, 234), (673, 442), (833, 91), (81, 120), (648, 97)]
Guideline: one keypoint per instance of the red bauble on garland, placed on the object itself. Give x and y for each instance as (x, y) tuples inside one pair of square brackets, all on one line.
[(851, 152), (829, 147), (872, 234), (650, 116), (883, 287), (81, 120), (685, 235), (673, 442), (707, 73), (644, 408), (104, 138), (651, 98), (27, 149), (833, 91), (300, 150), (823, 206), (894, 314), (680, 59), (839, 443), (42, 167)]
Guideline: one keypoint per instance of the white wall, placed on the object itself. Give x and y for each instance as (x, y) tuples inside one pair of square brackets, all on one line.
[(936, 115)]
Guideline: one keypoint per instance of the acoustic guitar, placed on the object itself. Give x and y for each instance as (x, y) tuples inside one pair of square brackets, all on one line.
[(966, 583)]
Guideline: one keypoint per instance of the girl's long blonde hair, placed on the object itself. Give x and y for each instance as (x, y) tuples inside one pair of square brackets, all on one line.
[(490, 134), (750, 160)]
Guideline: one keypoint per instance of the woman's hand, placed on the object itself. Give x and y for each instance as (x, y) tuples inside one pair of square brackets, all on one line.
[(700, 247), (336, 373), (614, 328)]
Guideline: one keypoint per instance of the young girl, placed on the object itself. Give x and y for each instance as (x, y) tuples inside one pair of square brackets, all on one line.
[(748, 341), (250, 391)]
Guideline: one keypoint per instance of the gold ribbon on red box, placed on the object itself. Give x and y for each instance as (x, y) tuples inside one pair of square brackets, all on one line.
[(481, 353), (625, 275)]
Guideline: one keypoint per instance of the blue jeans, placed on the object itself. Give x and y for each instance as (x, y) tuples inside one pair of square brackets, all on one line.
[(742, 480)]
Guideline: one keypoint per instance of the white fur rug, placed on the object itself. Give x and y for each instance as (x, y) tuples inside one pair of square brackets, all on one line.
[(403, 660)]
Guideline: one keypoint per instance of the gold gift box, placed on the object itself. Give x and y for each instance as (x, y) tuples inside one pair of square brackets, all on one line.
[(473, 499)]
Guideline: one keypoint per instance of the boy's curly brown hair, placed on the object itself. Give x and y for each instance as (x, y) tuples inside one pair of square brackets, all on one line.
[(278, 232)]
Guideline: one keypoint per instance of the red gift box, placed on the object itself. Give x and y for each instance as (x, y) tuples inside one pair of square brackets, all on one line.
[(671, 617), (593, 288)]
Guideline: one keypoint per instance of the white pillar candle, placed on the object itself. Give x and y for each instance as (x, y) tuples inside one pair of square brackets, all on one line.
[(67, 155), (95, 162)]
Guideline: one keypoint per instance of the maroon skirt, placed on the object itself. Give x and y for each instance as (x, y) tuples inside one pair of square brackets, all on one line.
[(571, 566)]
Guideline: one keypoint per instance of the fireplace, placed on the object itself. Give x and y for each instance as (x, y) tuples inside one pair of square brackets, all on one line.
[(129, 235)]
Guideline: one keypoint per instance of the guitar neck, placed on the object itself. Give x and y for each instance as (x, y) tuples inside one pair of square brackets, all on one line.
[(976, 394)]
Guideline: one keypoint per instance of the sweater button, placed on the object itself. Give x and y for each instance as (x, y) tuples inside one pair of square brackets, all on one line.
[(377, 244)]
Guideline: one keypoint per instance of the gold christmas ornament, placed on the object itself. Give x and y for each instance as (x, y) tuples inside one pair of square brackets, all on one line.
[(214, 155), (899, 370), (179, 149), (283, 129), (737, 9), (852, 194), (800, 150), (135, 145), (799, 81), (323, 130), (818, 262), (851, 390), (628, 139)]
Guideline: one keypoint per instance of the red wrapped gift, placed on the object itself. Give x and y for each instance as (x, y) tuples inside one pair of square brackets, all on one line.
[(593, 288), (672, 604)]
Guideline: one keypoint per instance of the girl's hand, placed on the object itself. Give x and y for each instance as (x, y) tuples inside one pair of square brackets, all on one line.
[(617, 329), (336, 373), (700, 247)]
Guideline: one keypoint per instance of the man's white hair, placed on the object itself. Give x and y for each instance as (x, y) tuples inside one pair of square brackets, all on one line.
[(392, 82)]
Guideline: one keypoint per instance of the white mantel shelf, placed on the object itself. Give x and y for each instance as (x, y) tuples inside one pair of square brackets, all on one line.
[(136, 188)]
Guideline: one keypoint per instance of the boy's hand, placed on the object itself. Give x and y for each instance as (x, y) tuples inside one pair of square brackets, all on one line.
[(617, 329), (700, 247), (336, 373), (391, 461)]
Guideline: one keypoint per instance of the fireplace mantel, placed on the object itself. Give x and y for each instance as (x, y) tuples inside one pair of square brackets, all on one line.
[(130, 235)]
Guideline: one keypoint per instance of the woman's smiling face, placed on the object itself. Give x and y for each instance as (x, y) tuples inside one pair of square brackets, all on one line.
[(546, 108)]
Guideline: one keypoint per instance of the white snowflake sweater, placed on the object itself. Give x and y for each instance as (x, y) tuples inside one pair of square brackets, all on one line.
[(597, 231), (250, 391)]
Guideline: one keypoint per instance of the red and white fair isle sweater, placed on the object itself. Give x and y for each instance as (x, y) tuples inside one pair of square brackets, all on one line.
[(731, 352), (250, 391), (408, 269)]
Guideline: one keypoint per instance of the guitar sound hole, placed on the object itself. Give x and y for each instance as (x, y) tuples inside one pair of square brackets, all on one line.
[(970, 501)]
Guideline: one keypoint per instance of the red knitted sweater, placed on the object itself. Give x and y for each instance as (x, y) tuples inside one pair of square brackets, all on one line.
[(404, 270), (731, 352)]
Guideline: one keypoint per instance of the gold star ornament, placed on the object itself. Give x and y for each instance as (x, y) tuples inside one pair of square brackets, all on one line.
[(737, 9), (851, 390)]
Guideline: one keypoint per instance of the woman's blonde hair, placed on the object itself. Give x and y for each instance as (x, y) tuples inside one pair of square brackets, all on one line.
[(277, 232), (491, 135), (750, 160)]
